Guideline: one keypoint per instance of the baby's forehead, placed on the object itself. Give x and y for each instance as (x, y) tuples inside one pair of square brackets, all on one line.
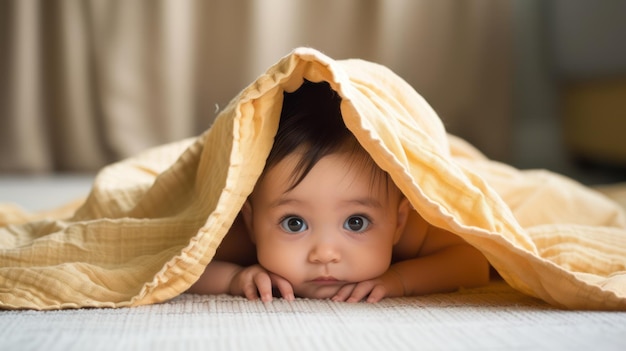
[(355, 163)]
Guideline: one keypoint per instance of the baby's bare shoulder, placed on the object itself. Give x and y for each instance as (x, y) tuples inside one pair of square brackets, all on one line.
[(412, 239), (236, 247)]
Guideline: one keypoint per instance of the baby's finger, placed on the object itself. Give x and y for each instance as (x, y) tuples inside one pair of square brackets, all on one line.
[(377, 294), (264, 286), (343, 293), (360, 291), (250, 291), (283, 286)]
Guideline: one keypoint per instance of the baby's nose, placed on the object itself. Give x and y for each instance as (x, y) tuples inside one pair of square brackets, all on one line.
[(324, 252)]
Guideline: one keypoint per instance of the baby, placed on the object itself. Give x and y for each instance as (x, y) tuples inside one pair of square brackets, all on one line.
[(324, 221)]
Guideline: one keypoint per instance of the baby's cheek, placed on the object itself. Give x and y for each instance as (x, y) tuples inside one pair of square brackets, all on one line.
[(279, 262), (373, 266)]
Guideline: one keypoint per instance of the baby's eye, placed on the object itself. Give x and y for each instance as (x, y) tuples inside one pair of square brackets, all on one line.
[(293, 224), (356, 223)]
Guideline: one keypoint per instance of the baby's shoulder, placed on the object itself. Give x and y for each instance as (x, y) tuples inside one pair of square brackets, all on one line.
[(237, 247), (412, 238)]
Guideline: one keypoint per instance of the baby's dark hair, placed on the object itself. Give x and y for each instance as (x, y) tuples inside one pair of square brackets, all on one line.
[(311, 123)]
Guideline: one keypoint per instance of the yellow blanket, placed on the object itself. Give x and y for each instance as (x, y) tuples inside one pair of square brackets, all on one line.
[(151, 223)]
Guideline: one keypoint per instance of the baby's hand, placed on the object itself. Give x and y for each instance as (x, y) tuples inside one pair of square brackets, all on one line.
[(255, 281), (387, 285)]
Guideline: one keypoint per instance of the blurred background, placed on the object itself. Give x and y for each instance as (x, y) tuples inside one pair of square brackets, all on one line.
[(532, 83)]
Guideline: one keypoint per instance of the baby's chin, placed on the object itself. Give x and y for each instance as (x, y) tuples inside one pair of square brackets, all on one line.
[(317, 292)]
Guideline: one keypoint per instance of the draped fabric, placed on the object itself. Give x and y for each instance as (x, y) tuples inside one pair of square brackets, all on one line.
[(88, 82), (152, 223)]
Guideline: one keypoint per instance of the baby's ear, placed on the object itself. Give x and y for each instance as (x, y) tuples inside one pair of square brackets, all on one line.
[(246, 212), (404, 208)]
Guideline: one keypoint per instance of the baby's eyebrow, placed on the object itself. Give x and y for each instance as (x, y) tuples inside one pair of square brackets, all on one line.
[(365, 201), (281, 201)]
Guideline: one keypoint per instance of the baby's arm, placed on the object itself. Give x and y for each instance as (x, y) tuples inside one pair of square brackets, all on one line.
[(444, 263), (221, 277), (216, 278), (234, 271)]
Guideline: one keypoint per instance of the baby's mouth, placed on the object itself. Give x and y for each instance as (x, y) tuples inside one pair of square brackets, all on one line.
[(326, 280)]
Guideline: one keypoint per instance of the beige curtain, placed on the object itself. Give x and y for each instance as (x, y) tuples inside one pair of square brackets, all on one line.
[(87, 82)]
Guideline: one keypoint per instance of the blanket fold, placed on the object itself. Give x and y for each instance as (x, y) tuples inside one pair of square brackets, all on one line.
[(151, 223)]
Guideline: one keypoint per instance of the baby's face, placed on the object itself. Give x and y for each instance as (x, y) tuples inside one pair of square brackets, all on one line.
[(336, 227)]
